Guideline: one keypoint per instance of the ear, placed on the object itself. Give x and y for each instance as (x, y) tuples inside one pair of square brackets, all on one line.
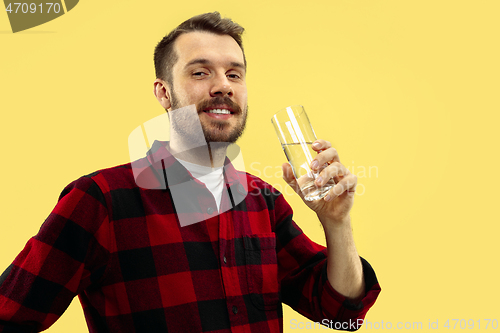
[(162, 93)]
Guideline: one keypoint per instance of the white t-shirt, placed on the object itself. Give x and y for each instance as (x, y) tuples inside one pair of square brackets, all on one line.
[(211, 177)]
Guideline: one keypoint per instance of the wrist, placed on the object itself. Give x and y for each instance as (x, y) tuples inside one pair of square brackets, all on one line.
[(335, 224)]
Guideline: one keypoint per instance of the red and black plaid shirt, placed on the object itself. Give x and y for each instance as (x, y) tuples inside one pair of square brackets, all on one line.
[(121, 249)]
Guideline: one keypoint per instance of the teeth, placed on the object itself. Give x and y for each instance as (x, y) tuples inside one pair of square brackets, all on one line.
[(219, 111)]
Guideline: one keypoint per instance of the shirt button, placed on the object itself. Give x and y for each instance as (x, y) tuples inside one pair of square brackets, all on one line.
[(225, 260), (235, 310), (210, 210)]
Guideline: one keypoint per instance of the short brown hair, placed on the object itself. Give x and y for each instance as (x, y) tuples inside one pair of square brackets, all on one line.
[(165, 56)]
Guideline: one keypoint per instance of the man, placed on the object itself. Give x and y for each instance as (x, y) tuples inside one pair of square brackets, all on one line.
[(137, 267)]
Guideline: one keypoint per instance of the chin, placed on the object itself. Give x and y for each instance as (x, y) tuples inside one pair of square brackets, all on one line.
[(222, 137)]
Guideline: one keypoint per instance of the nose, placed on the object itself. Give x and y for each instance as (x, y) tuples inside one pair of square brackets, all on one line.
[(222, 88)]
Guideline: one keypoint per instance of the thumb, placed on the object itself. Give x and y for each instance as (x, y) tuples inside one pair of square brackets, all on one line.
[(289, 177)]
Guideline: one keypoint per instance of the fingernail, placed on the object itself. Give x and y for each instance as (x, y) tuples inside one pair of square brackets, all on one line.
[(316, 145), (328, 198), (319, 180), (314, 164)]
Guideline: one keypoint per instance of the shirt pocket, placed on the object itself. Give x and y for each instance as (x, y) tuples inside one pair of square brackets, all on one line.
[(262, 270)]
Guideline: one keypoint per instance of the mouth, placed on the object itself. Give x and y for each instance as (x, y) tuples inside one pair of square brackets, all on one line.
[(219, 109), (219, 112)]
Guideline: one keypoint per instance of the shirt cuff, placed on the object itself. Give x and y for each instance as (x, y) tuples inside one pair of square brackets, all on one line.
[(343, 309)]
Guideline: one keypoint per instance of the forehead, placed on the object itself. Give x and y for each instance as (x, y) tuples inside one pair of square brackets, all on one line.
[(206, 45)]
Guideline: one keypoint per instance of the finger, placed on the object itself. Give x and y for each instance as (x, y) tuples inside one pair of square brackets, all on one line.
[(336, 170), (345, 185), (321, 145), (325, 157), (287, 172)]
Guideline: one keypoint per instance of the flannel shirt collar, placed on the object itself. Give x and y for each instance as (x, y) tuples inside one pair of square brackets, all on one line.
[(162, 162)]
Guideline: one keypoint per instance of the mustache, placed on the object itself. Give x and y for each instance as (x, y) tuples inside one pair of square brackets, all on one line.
[(235, 108)]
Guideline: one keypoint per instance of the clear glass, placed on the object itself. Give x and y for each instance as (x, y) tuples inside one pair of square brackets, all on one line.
[(296, 136)]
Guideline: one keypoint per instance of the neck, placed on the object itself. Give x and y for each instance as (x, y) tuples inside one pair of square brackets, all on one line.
[(211, 154)]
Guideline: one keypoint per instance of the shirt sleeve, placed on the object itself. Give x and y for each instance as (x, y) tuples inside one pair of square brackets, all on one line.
[(64, 258), (303, 277)]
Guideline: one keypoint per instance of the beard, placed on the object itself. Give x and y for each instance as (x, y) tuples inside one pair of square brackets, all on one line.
[(215, 130)]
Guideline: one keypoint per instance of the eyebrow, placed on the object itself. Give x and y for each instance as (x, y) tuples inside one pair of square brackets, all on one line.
[(203, 61)]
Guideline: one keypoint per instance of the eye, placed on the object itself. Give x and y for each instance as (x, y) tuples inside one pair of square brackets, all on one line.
[(234, 76), (199, 74)]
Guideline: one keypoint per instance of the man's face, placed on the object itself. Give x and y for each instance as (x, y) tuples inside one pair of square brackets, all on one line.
[(210, 73)]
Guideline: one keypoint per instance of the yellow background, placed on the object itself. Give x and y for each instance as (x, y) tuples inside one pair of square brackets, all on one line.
[(409, 88)]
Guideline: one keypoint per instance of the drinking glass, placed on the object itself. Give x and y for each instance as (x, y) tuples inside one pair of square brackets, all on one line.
[(296, 136)]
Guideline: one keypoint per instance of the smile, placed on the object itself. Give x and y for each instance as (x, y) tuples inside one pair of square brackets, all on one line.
[(218, 111)]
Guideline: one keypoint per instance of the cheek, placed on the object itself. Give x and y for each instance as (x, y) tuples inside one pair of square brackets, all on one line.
[(242, 97), (188, 94), (196, 93)]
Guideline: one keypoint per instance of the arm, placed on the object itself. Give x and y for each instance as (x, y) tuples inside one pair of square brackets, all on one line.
[(56, 264), (305, 283), (345, 270)]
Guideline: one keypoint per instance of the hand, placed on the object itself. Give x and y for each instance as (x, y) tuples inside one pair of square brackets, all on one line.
[(337, 204)]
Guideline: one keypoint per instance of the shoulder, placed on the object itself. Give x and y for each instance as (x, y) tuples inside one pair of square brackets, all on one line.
[(117, 177), (101, 182)]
